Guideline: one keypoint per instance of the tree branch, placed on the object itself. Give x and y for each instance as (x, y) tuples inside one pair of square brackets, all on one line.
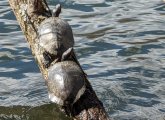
[(29, 14)]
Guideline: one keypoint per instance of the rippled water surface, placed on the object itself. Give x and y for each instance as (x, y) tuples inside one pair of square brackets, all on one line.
[(120, 45)]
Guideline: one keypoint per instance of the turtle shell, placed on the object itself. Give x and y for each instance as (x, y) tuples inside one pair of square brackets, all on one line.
[(55, 35), (66, 83)]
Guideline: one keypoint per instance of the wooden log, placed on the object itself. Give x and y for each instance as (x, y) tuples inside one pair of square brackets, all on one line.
[(29, 14)]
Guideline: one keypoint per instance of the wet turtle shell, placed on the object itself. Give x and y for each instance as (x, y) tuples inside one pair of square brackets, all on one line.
[(55, 35), (66, 83)]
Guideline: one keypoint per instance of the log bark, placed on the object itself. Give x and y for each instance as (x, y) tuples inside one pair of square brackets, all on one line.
[(29, 14)]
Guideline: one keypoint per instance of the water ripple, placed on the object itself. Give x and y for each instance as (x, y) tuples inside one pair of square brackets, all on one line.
[(120, 45)]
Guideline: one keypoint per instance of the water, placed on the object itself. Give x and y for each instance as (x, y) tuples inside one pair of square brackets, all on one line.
[(120, 45)]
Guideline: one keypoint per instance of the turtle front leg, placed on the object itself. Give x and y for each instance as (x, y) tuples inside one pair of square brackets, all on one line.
[(46, 59)]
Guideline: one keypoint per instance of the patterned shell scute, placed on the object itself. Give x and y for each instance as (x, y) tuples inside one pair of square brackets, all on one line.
[(65, 82), (54, 33)]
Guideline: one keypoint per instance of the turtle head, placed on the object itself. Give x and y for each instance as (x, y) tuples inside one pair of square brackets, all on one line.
[(56, 10), (67, 54)]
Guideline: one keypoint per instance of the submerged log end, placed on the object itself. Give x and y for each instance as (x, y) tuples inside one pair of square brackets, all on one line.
[(89, 107)]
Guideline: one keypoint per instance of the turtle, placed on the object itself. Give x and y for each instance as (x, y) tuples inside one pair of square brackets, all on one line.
[(66, 82), (54, 37)]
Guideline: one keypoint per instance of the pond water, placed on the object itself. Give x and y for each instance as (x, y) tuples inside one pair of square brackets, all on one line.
[(120, 45)]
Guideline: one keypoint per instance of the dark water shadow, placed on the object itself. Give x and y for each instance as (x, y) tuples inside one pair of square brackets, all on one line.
[(43, 112)]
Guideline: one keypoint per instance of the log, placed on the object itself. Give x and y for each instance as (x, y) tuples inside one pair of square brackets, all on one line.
[(30, 14)]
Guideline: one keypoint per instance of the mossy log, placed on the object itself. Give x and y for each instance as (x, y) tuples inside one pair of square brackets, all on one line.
[(29, 14)]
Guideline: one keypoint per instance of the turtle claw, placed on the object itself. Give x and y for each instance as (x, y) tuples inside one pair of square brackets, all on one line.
[(46, 64)]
